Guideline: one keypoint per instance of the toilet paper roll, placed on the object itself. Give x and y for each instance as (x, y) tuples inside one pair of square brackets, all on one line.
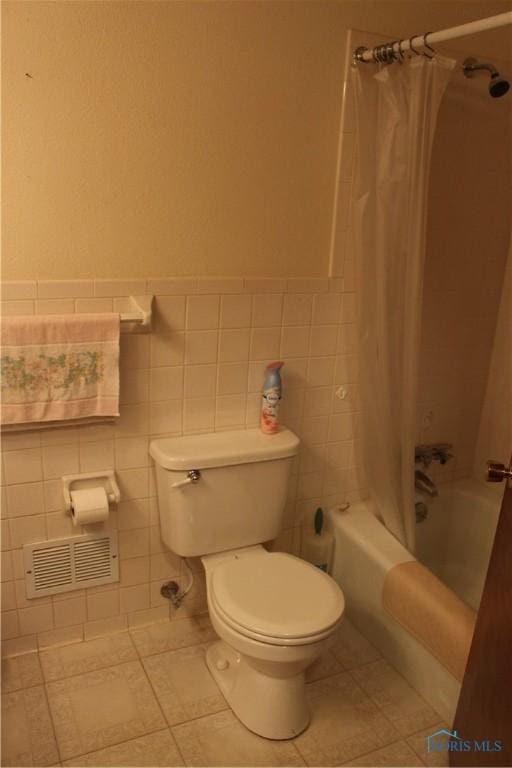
[(89, 505)]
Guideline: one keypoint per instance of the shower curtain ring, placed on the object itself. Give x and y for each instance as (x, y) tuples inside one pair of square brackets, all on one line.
[(400, 52), (389, 53), (411, 46), (395, 54), (429, 47)]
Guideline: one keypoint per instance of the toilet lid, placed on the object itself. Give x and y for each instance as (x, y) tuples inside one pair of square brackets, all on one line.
[(277, 595)]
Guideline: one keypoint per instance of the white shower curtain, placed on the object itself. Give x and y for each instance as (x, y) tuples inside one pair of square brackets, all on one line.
[(396, 111)]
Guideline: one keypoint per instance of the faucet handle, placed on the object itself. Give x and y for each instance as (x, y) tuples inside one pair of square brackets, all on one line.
[(427, 453)]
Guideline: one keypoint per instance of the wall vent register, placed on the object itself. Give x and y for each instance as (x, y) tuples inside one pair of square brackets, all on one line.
[(75, 562)]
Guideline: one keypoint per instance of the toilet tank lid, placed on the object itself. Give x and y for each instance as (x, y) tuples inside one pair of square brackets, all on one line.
[(223, 449)]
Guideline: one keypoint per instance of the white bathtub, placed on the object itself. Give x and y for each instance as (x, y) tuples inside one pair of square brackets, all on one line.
[(454, 542)]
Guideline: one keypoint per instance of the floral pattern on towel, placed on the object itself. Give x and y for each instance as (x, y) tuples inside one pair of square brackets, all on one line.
[(42, 372)]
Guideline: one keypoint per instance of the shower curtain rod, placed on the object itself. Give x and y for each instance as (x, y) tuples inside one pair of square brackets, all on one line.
[(389, 51)]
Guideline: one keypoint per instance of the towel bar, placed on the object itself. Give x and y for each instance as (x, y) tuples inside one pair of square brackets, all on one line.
[(135, 310)]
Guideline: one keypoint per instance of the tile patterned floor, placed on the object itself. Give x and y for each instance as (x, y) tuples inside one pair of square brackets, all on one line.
[(146, 698)]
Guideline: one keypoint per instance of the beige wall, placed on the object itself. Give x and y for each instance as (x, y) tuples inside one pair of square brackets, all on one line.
[(495, 430), (185, 138), (468, 238)]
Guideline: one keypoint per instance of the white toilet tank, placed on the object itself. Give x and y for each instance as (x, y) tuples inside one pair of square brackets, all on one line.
[(239, 497)]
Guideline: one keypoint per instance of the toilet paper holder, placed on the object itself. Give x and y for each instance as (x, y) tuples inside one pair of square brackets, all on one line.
[(85, 480)]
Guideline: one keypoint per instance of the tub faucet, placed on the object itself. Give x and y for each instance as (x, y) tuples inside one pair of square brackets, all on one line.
[(424, 484), (426, 454)]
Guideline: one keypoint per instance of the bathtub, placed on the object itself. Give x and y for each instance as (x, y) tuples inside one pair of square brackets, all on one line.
[(454, 542)]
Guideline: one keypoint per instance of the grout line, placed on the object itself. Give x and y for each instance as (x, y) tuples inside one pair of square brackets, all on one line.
[(51, 718)]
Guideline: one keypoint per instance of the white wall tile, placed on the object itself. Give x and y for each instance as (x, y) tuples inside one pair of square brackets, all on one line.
[(64, 289), (200, 380), (61, 636), (200, 369), (103, 605), (230, 411), (8, 595), (119, 287), (235, 311), (202, 312), (164, 566), (69, 612), (234, 344), (166, 383), (59, 524), (14, 290), (169, 313), (199, 414), (307, 285), (134, 598), (167, 348), (96, 455), (25, 499), (55, 306), (131, 452), (7, 573), (134, 570), (133, 513), (25, 530), (267, 310), (133, 483), (232, 378), (36, 619), (220, 284), (165, 416), (16, 308), (201, 347), (171, 286), (23, 466), (295, 341), (348, 308), (297, 309), (265, 344), (86, 306), (133, 420), (134, 543), (104, 627), (326, 308), (10, 625), (264, 285), (60, 460), (134, 386), (323, 340)]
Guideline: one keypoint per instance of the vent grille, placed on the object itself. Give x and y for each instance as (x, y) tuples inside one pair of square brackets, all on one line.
[(72, 563)]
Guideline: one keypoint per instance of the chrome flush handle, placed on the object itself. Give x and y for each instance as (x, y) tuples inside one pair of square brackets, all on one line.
[(193, 476)]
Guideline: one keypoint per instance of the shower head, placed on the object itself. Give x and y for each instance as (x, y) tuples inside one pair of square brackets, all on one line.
[(498, 85)]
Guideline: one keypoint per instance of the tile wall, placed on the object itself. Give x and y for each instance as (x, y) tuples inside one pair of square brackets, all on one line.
[(200, 370)]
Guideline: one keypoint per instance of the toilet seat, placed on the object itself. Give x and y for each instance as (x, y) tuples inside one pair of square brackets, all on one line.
[(276, 598)]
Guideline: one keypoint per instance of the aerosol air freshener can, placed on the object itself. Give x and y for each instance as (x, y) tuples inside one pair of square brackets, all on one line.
[(271, 398)]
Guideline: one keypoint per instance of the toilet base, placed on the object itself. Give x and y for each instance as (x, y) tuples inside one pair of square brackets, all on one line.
[(273, 707)]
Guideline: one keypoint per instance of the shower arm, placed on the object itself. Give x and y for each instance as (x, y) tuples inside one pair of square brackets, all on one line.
[(472, 66)]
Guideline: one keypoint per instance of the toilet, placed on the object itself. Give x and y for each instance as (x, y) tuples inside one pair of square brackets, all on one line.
[(221, 496)]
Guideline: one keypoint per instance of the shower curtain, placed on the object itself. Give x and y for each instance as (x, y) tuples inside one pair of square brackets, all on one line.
[(396, 112)]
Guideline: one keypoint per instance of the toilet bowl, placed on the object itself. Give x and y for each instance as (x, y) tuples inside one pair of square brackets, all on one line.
[(220, 496), (274, 614)]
